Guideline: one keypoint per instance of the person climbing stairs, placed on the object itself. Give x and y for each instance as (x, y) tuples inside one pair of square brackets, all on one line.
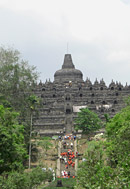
[(67, 160)]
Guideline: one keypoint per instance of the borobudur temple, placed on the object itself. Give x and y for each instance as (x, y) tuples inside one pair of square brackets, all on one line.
[(68, 93)]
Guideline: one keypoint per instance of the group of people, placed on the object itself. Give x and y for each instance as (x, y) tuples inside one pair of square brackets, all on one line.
[(66, 174), (67, 137), (67, 157), (64, 156), (67, 145)]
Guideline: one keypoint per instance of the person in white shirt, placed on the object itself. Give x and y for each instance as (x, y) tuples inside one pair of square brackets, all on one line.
[(71, 145)]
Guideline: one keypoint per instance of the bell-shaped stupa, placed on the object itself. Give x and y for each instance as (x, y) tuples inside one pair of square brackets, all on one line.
[(68, 71)]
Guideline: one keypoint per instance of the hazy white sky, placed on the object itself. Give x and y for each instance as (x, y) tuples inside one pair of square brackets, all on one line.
[(98, 33)]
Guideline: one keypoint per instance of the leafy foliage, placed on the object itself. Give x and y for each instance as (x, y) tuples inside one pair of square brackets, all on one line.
[(28, 180), (87, 121), (107, 117), (107, 163), (92, 172), (17, 83), (12, 148), (17, 78), (118, 132)]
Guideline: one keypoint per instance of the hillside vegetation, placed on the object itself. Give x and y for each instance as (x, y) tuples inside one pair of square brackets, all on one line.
[(107, 162)]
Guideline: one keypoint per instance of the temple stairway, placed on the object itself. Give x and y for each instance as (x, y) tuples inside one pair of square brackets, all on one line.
[(61, 164), (68, 124)]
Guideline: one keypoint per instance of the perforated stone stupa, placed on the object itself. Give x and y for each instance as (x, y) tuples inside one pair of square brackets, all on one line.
[(68, 93)]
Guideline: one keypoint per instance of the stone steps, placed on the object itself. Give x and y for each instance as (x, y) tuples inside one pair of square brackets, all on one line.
[(62, 163)]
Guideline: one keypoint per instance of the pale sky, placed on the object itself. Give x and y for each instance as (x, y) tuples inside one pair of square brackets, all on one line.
[(97, 31)]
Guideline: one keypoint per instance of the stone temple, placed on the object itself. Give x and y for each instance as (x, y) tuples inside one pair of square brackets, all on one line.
[(68, 93)]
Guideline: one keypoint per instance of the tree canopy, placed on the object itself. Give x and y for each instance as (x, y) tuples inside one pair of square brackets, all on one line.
[(17, 83), (87, 121), (12, 148), (118, 136), (107, 162), (18, 79)]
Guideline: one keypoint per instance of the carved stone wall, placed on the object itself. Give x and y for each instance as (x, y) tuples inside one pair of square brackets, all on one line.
[(59, 97)]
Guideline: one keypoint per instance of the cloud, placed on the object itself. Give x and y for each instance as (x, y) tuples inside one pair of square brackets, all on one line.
[(98, 33), (126, 1)]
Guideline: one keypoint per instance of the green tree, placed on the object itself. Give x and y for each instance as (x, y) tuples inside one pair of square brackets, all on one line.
[(33, 102), (17, 83), (107, 163), (87, 121), (118, 137), (17, 78), (93, 173), (28, 180), (12, 148), (107, 117)]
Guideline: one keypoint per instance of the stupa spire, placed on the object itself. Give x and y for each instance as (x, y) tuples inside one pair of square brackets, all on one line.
[(68, 64)]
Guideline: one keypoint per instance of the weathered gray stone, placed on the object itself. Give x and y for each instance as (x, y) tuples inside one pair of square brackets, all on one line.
[(69, 90)]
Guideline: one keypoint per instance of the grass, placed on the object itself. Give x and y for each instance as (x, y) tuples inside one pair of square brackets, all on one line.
[(67, 183)]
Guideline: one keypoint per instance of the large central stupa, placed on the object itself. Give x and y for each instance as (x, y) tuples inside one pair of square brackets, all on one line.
[(68, 71)]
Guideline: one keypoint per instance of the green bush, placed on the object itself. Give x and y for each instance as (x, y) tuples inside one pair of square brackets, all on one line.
[(24, 180), (87, 121), (107, 164)]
